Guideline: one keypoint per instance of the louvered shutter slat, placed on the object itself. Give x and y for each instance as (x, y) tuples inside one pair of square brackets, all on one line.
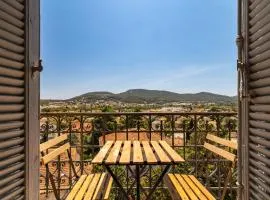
[(10, 55), (12, 64), (11, 108), (14, 193), (263, 73), (259, 90), (11, 46), (11, 160), (260, 100), (260, 133), (259, 191), (259, 165), (255, 84), (11, 81), (255, 16), (11, 37), (20, 197), (259, 58), (11, 178), (11, 11), (13, 168), (259, 182), (12, 91), (257, 173), (260, 116), (259, 42), (12, 73), (11, 143), (11, 99), (260, 108), (254, 4), (11, 117), (259, 149), (15, 4), (4, 17), (11, 186), (259, 67), (11, 134), (260, 49), (12, 151), (260, 23)]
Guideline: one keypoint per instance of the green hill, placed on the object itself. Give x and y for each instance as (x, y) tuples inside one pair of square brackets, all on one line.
[(153, 96)]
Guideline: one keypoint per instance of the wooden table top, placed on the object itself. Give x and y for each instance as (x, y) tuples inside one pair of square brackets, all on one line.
[(137, 152)]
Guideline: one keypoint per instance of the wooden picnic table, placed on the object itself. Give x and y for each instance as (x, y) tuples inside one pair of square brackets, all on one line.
[(140, 154)]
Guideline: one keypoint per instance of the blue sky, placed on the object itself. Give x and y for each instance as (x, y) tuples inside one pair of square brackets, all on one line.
[(184, 46)]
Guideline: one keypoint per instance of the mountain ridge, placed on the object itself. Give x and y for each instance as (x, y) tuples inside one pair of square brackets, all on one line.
[(152, 96)]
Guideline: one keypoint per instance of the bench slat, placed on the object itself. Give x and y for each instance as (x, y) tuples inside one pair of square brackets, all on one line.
[(161, 154), (175, 157), (137, 153), (46, 145), (187, 188), (222, 141), (182, 186), (92, 187), (113, 155), (125, 156), (195, 189), (173, 192), (180, 190), (102, 153), (149, 154), (84, 187), (202, 188), (109, 187), (99, 189), (225, 154), (76, 188), (50, 156)]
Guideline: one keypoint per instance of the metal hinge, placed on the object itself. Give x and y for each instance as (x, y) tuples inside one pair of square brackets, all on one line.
[(240, 65), (242, 93), (37, 67)]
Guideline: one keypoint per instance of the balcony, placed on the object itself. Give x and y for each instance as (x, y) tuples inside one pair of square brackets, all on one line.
[(185, 132)]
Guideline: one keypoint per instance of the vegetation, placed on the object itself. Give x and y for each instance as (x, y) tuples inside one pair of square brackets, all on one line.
[(149, 96), (155, 96)]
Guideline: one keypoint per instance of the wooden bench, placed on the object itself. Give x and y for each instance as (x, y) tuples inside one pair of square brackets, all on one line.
[(92, 186), (183, 186)]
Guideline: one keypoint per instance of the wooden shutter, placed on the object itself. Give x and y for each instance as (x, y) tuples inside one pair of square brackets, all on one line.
[(15, 83), (257, 98)]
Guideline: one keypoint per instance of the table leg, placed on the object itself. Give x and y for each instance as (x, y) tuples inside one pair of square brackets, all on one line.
[(158, 182), (134, 176), (138, 181), (116, 181)]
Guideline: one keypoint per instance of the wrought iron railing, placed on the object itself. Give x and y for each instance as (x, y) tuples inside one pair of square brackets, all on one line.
[(185, 132)]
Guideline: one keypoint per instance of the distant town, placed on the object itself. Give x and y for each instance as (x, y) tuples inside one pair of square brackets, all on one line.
[(141, 100)]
